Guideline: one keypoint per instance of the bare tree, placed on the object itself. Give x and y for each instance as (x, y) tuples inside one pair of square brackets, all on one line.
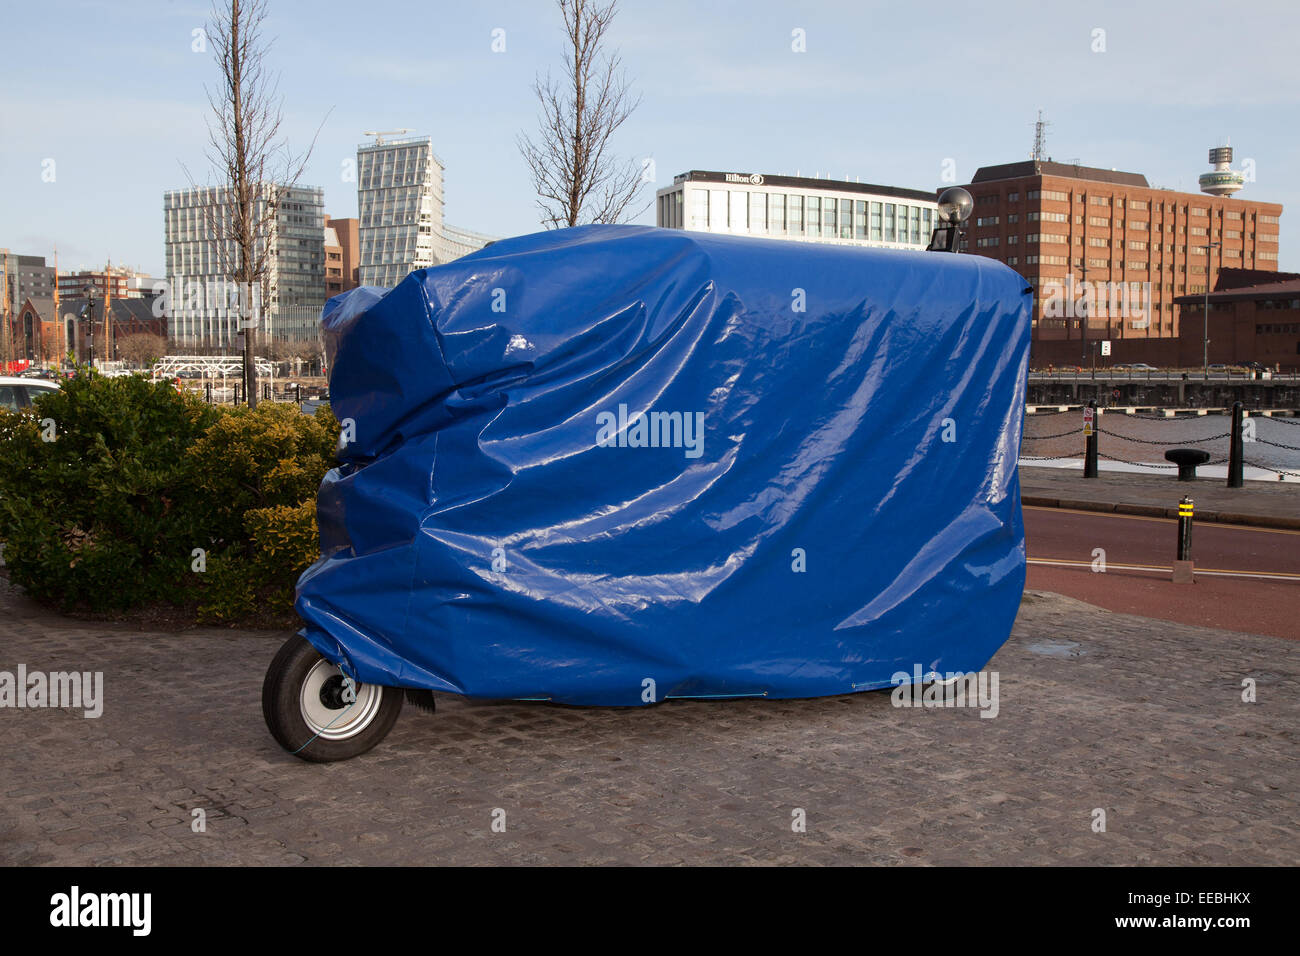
[(252, 162), (142, 348), (577, 178)]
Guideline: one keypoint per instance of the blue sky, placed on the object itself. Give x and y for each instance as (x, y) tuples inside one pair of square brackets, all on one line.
[(112, 92)]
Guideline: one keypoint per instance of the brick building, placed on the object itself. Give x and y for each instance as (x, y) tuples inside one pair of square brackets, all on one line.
[(342, 256), (1090, 240), (1251, 316)]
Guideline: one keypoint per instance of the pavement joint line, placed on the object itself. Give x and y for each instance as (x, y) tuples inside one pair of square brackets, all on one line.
[(1103, 509), (1218, 572)]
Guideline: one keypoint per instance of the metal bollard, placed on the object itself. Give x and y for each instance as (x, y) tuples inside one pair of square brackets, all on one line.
[(1183, 565), (1235, 454), (1090, 428)]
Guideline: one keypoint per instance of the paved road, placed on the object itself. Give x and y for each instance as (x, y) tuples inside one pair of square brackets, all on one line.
[(1097, 711), (1248, 579)]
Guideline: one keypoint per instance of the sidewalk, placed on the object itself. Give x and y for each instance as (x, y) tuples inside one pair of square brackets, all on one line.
[(1097, 711), (1259, 503)]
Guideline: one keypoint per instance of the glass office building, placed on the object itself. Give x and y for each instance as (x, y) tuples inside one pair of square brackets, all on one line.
[(799, 208), (202, 307), (400, 212)]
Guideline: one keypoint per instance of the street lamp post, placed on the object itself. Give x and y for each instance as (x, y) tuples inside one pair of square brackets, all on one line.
[(1205, 338), (90, 319)]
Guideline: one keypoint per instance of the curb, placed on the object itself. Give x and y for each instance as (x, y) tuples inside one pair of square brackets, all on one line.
[(1279, 522)]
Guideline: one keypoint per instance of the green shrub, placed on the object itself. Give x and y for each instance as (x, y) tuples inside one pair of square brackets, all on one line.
[(99, 516), (283, 542), (108, 516)]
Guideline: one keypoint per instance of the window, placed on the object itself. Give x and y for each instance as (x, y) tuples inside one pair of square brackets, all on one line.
[(1013, 197), (875, 221), (794, 208), (1099, 200), (1134, 244), (1231, 215), (1098, 263), (1141, 225), (1098, 242), (1098, 221), (859, 219), (776, 214), (1013, 218), (1045, 237), (1197, 230), (758, 212), (990, 221), (828, 218), (846, 218), (1012, 260), (717, 209), (1137, 204), (889, 222), (1048, 217), (1048, 194), (1231, 234), (914, 220), (989, 241), (739, 210), (1197, 211), (813, 208)]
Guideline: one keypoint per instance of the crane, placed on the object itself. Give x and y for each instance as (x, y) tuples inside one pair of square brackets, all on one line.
[(380, 134)]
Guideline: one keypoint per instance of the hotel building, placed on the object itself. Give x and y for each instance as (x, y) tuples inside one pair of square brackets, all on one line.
[(799, 208)]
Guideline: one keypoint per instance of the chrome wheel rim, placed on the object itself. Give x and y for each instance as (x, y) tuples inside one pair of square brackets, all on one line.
[(317, 701)]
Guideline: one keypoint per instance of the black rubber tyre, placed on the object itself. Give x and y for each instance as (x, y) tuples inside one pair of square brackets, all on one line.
[(306, 710)]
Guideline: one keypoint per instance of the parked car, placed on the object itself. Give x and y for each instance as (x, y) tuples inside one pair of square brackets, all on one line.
[(1142, 367), (17, 392)]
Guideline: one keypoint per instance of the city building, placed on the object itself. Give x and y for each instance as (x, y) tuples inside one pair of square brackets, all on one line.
[(342, 271), (797, 207), (400, 211), (49, 336), (1251, 316), (204, 307), (1107, 254), (126, 283), (23, 277)]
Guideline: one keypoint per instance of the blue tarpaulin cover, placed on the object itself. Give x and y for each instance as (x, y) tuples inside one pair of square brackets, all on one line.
[(586, 460)]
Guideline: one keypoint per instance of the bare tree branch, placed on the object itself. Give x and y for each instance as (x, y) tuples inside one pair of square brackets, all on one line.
[(574, 173), (251, 162)]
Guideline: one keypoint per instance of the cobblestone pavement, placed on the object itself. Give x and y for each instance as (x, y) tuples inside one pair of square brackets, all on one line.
[(1097, 710)]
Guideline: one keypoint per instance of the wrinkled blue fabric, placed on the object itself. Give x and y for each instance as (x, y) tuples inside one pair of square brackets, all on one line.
[(849, 510)]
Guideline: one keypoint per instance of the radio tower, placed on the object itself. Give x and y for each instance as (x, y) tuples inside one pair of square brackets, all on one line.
[(1040, 138)]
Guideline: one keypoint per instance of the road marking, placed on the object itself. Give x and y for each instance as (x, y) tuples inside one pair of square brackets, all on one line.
[(1216, 572), (1203, 524)]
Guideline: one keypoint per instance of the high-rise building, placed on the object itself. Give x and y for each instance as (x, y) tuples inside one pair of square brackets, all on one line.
[(797, 207), (1106, 254), (204, 306), (400, 208)]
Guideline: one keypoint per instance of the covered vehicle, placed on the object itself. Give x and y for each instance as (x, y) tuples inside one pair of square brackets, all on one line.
[(614, 465)]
